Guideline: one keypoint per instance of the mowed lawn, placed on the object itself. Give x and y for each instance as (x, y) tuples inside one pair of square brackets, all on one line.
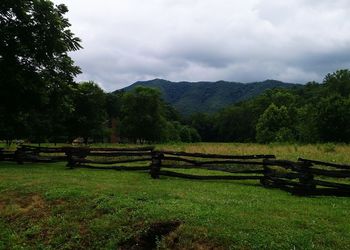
[(47, 206)]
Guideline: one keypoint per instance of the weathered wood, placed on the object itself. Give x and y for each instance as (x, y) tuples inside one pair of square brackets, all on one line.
[(123, 149), (116, 154), (6, 155), (278, 181), (284, 185), (233, 162), (283, 163), (35, 158), (71, 163), (181, 159), (208, 177), (156, 164), (83, 160), (217, 168), (217, 156), (331, 173), (306, 179), (200, 163), (289, 176), (332, 184), (303, 174), (42, 149), (339, 166), (19, 156)]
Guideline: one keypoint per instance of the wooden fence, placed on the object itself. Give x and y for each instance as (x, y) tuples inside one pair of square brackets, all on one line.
[(242, 167), (307, 177), (26, 153), (6, 155), (302, 177), (110, 158)]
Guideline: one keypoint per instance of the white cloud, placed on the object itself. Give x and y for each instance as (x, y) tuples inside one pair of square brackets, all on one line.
[(129, 40)]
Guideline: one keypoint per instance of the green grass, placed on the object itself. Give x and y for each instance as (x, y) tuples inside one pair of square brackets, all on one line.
[(46, 206)]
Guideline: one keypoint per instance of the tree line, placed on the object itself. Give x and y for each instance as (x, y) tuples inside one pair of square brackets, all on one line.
[(315, 112)]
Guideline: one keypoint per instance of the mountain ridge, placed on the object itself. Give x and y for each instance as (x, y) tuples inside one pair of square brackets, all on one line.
[(205, 96)]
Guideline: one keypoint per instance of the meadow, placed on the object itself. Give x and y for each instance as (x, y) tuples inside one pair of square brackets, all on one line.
[(47, 206)]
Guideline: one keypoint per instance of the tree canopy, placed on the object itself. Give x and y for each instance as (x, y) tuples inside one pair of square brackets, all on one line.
[(143, 115), (35, 68)]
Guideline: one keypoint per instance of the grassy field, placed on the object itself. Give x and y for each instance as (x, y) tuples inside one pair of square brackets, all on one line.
[(46, 206)]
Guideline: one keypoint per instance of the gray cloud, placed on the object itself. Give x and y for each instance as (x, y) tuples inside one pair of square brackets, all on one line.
[(130, 40)]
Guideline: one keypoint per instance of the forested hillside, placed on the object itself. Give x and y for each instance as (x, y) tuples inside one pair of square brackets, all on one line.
[(312, 113), (208, 97)]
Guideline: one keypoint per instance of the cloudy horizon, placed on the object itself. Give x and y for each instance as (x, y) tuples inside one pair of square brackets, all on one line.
[(179, 40)]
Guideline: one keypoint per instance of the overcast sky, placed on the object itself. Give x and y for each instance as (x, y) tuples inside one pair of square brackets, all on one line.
[(129, 40)]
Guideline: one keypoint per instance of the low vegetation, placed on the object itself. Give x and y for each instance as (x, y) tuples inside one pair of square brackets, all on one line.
[(47, 206)]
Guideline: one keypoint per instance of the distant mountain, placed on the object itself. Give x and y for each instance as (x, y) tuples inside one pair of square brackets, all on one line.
[(191, 97)]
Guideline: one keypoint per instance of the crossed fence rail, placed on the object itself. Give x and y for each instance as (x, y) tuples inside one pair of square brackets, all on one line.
[(307, 177)]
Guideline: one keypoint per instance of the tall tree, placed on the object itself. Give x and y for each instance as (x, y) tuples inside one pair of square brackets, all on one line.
[(338, 82), (34, 64), (274, 125), (89, 116), (143, 115), (333, 119)]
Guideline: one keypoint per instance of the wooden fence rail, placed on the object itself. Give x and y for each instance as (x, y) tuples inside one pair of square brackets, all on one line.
[(26, 153), (233, 164), (6, 155), (307, 177), (110, 158)]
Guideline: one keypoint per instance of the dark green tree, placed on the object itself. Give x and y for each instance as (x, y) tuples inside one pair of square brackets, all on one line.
[(274, 125), (205, 125), (333, 119), (307, 124), (89, 117), (34, 63), (338, 82), (143, 115), (235, 124), (113, 105)]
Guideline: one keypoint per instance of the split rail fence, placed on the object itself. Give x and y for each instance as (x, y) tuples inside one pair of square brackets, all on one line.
[(244, 167), (6, 155), (307, 177), (110, 158), (302, 177)]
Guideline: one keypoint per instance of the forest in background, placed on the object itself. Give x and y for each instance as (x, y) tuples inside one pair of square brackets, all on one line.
[(41, 102)]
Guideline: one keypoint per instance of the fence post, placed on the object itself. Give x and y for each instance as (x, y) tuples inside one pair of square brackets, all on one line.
[(156, 164), (20, 155), (70, 162), (265, 180), (306, 179)]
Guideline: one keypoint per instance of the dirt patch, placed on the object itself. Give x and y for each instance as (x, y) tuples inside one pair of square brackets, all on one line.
[(172, 241), (149, 238), (195, 245), (30, 206), (32, 202)]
